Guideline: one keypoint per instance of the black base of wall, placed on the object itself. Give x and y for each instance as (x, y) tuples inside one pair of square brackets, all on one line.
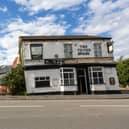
[(76, 93), (55, 93), (107, 92), (125, 91)]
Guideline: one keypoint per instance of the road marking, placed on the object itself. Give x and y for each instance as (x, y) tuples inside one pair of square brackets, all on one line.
[(23, 106), (104, 105)]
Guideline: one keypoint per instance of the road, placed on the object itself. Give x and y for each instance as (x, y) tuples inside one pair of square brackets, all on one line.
[(64, 114)]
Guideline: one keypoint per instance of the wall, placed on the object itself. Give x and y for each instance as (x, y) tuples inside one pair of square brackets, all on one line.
[(30, 82), (111, 72), (107, 73), (52, 48), (55, 84)]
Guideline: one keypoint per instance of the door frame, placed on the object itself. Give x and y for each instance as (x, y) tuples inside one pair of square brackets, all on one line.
[(85, 78)]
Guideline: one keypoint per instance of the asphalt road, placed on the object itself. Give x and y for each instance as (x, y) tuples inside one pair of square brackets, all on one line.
[(64, 114)]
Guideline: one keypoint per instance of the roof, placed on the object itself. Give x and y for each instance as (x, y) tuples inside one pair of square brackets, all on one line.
[(16, 62), (62, 37), (4, 69)]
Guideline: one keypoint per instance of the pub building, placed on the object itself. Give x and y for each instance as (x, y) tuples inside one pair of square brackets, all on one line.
[(81, 64)]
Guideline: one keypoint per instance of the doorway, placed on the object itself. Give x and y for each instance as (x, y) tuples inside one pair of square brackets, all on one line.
[(83, 83)]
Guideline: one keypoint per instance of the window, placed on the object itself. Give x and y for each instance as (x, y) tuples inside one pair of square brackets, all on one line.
[(67, 76), (110, 47), (41, 82), (97, 50), (36, 51), (68, 50), (95, 75)]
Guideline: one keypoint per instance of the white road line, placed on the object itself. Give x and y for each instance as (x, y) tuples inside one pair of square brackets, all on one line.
[(104, 106), (23, 106)]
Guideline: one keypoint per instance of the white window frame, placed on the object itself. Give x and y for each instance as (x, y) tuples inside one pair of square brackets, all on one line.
[(36, 46), (42, 79), (91, 77), (97, 49), (68, 52), (62, 76)]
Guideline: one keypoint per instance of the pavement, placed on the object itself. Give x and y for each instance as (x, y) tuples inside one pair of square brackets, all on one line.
[(65, 97), (65, 114)]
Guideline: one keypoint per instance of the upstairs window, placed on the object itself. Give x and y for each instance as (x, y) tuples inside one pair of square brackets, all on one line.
[(97, 50), (68, 50), (110, 47), (36, 51)]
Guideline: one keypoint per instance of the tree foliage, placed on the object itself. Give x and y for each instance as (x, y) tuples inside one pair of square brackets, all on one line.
[(15, 79), (123, 71)]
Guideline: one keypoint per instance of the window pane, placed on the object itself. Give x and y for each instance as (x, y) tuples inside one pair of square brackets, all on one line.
[(101, 80), (96, 68), (94, 74), (71, 82), (66, 82), (42, 78), (36, 51), (41, 84), (65, 75), (97, 50), (100, 74), (36, 78), (67, 70), (71, 75), (96, 81), (47, 78), (68, 50)]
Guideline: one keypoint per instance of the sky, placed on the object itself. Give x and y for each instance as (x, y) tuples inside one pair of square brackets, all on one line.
[(63, 17)]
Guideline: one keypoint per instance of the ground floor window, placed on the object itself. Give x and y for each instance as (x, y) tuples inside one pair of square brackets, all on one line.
[(96, 75), (41, 82), (67, 76)]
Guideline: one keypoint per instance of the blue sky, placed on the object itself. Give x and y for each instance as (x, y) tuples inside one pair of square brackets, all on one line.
[(63, 17)]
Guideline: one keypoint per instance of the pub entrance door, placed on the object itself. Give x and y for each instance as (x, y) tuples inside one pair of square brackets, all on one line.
[(83, 83)]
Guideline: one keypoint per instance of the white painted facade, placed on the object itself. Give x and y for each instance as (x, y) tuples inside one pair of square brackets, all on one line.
[(54, 49), (55, 82), (107, 73)]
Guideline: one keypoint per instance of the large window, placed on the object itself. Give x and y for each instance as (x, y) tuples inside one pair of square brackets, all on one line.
[(41, 82), (97, 50), (67, 76), (96, 75), (36, 51), (68, 50)]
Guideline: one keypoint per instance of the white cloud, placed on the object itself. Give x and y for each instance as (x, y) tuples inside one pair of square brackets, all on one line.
[(48, 25), (36, 5), (108, 17), (3, 9)]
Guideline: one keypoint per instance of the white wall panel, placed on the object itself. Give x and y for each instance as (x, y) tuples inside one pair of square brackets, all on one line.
[(54, 80), (111, 72)]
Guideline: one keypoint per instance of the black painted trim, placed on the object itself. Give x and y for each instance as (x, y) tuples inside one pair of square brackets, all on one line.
[(107, 92), (62, 37), (81, 65), (56, 93)]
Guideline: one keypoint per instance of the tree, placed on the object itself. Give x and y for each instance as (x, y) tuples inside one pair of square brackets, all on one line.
[(123, 71), (15, 79)]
